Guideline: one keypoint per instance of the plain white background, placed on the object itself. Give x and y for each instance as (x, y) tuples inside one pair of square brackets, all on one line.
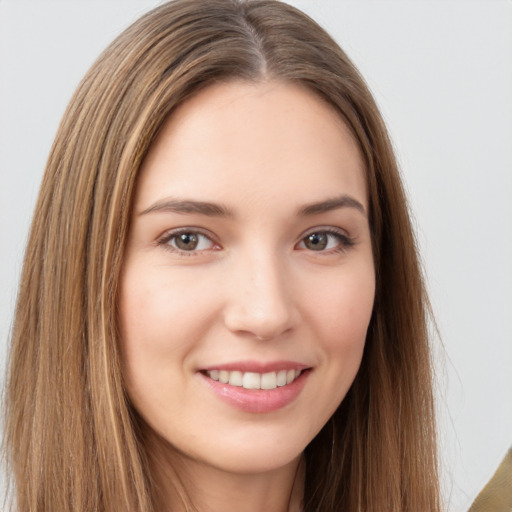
[(441, 72)]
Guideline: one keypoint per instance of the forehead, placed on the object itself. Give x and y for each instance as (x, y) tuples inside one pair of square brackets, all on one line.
[(240, 140)]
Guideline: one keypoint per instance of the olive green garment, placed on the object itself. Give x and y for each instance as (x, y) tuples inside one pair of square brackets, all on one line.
[(496, 496)]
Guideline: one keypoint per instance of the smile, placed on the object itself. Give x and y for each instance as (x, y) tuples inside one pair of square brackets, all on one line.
[(253, 380)]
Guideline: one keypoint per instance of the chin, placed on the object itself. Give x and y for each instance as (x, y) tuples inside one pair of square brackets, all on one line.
[(255, 452), (255, 461)]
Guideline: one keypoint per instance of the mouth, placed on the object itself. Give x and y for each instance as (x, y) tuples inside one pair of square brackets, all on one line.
[(256, 387), (254, 380)]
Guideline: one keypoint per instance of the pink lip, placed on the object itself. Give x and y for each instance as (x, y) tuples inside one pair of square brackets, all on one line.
[(258, 400), (258, 367)]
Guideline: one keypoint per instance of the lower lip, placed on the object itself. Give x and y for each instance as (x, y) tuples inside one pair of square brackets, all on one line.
[(258, 400)]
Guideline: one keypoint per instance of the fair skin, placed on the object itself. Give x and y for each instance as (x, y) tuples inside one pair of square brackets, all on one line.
[(249, 260)]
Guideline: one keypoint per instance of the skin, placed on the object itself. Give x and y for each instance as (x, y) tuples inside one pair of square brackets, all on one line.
[(252, 290)]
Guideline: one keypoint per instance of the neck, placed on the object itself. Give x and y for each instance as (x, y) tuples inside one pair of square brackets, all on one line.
[(186, 485)]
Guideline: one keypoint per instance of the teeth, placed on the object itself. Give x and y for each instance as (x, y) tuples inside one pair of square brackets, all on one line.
[(252, 380), (269, 380), (235, 379)]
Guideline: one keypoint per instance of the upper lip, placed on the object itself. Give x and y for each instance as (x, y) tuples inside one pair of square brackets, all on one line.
[(258, 366)]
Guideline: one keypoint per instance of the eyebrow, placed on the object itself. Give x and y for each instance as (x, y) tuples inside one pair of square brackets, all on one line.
[(189, 206), (343, 201)]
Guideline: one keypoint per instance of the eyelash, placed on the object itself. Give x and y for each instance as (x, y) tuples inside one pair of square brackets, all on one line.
[(164, 240), (345, 242)]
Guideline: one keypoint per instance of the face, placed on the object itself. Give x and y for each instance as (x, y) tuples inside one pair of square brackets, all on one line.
[(248, 281)]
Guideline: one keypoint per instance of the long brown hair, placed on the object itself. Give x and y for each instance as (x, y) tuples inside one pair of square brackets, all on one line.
[(72, 439)]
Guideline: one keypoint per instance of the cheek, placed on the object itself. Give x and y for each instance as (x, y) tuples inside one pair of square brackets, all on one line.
[(159, 329), (149, 327), (158, 314), (340, 313), (344, 310)]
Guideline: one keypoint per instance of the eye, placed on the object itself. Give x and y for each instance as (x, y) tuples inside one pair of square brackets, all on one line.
[(187, 241), (325, 241)]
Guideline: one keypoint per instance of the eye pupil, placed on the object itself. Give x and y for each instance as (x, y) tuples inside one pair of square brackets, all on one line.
[(316, 241), (187, 241)]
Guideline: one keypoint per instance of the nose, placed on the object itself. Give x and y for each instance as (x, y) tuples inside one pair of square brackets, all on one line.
[(261, 302)]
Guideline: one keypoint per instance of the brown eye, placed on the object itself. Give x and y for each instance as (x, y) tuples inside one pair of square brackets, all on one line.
[(186, 241), (326, 241), (316, 241)]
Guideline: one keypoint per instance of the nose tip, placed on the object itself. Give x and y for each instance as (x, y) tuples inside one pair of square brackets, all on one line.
[(261, 304), (260, 315)]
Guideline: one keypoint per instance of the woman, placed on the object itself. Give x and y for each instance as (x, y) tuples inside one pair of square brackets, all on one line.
[(221, 304)]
